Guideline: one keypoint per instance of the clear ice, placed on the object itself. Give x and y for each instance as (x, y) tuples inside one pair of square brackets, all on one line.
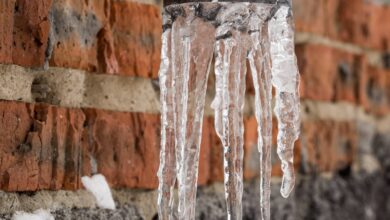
[(234, 34)]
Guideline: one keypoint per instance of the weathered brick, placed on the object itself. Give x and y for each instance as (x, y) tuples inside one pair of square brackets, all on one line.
[(124, 146), (75, 27), (137, 38), (100, 36), (31, 31), (6, 30), (356, 21), (328, 146), (97, 36), (364, 23), (328, 74), (24, 31), (317, 17), (324, 146), (48, 147), (40, 147), (374, 90)]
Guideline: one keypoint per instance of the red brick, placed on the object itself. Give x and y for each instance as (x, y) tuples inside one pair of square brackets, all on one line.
[(374, 90), (355, 21), (324, 146), (317, 17), (137, 38), (125, 147), (31, 31), (328, 146), (24, 31), (115, 37), (328, 74), (40, 147), (75, 28), (47, 147), (363, 23), (6, 30), (106, 52)]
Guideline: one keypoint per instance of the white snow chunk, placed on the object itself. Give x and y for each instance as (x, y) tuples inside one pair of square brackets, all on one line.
[(98, 186), (39, 214)]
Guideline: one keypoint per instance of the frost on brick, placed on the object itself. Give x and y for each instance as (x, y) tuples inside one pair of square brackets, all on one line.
[(236, 33)]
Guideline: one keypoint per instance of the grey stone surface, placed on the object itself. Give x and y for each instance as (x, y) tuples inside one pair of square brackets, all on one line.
[(315, 198), (126, 212), (342, 196), (143, 201), (31, 201)]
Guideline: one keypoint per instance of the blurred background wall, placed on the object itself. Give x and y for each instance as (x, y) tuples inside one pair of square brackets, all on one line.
[(79, 95)]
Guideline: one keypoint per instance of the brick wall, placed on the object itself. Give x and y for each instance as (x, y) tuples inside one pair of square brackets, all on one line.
[(79, 95)]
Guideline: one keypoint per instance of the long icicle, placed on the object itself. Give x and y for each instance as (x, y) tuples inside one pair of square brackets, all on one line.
[(230, 70), (259, 60), (191, 58), (285, 78), (167, 169)]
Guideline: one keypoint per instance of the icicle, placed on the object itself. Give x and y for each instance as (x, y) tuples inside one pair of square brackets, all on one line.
[(194, 54), (191, 54), (167, 170), (230, 70), (186, 54), (259, 60), (285, 78)]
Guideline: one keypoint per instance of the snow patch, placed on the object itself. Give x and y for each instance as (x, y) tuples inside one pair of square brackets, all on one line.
[(39, 214), (98, 186)]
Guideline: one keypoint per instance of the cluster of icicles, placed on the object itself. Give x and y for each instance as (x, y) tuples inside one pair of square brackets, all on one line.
[(232, 33)]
